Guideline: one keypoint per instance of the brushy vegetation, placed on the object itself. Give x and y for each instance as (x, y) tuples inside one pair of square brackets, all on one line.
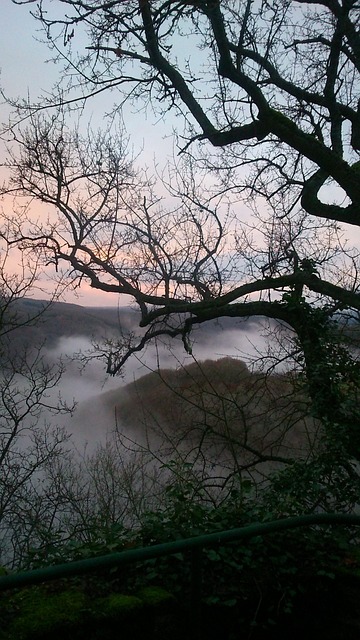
[(129, 495), (252, 586)]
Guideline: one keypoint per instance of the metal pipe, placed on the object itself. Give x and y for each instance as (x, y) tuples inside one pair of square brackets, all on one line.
[(80, 567)]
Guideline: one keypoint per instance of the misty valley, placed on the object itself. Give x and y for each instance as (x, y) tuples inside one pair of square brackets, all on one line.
[(116, 443), (180, 444)]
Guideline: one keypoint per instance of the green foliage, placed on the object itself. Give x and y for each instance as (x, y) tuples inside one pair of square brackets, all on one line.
[(39, 613), (328, 481), (259, 580), (67, 609), (330, 375), (251, 584), (100, 541)]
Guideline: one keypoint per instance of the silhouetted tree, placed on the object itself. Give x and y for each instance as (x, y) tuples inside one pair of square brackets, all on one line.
[(266, 97)]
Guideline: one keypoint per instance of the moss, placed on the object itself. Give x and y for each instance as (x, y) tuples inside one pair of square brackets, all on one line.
[(155, 596), (116, 605), (40, 612)]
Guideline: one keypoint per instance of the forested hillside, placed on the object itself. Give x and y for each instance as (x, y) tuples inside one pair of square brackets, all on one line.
[(43, 322), (219, 411)]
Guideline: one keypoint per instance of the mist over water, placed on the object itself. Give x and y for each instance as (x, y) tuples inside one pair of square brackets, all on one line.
[(130, 429), (94, 418)]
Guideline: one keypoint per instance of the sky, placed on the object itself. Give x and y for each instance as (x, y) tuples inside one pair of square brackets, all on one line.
[(26, 70), (21, 57)]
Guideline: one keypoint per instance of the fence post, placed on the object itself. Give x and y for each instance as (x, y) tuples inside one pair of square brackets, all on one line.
[(196, 592)]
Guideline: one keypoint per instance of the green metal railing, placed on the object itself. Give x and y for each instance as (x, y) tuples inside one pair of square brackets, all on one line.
[(194, 544)]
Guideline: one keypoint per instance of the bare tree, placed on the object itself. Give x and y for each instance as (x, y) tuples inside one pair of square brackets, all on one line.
[(28, 444), (277, 94), (181, 263), (274, 85), (267, 100), (29, 397)]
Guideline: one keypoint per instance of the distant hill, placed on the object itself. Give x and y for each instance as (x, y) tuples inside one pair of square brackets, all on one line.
[(35, 323), (230, 412), (40, 322)]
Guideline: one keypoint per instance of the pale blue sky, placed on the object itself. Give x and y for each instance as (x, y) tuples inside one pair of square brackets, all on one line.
[(26, 69)]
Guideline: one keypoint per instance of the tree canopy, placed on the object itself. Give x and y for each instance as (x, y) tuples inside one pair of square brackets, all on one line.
[(274, 83)]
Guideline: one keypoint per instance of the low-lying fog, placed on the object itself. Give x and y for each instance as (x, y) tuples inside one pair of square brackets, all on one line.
[(94, 417)]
